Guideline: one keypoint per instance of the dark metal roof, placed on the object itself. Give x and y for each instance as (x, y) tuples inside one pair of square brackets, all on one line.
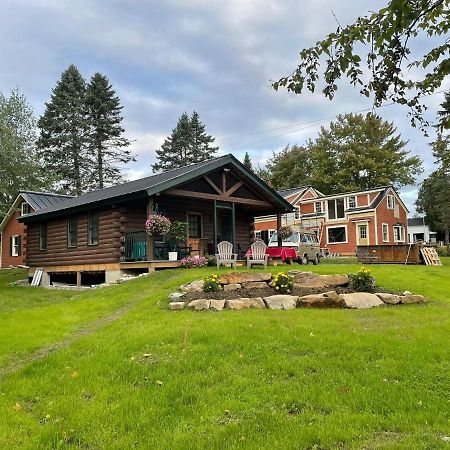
[(154, 184), (41, 200), (288, 192)]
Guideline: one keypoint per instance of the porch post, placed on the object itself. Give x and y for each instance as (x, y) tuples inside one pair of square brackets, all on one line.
[(280, 241), (233, 227), (215, 225), (150, 255)]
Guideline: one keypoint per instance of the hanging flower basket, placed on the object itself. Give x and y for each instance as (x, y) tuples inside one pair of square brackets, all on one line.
[(157, 225), (285, 232)]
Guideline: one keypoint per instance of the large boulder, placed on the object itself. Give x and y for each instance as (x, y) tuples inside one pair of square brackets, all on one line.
[(390, 299), (254, 285), (232, 287), (361, 300), (312, 280), (281, 301), (199, 305), (216, 305), (244, 303), (194, 286), (412, 299), (243, 277), (174, 306), (176, 296), (326, 300)]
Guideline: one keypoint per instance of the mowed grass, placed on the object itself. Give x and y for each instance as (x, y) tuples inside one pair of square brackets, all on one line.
[(152, 378)]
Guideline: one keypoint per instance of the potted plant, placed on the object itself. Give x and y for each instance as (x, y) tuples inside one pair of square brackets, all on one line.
[(178, 232), (157, 225)]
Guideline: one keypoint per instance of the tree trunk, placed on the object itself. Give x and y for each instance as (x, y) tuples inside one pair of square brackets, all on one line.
[(446, 239), (100, 165), (76, 168)]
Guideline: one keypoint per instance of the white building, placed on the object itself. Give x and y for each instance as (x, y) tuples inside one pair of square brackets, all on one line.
[(418, 230)]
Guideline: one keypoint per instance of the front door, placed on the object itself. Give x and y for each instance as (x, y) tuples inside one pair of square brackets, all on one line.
[(225, 226), (362, 234)]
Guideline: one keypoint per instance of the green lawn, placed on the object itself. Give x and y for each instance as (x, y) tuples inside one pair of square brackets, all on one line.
[(111, 368)]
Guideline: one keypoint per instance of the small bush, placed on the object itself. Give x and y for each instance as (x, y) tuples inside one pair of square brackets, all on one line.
[(442, 250), (193, 262), (211, 284), (363, 281), (212, 260), (283, 283)]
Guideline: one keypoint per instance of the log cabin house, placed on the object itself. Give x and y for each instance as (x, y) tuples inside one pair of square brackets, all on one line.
[(103, 232)]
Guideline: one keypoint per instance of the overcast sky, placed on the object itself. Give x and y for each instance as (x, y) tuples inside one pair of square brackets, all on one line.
[(167, 57)]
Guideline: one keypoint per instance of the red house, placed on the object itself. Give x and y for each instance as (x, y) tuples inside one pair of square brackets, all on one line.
[(343, 221), (13, 236)]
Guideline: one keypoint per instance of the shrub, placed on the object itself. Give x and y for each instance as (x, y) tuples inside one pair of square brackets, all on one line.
[(442, 250), (283, 283), (178, 232), (157, 225), (211, 284), (193, 262), (212, 260), (363, 281)]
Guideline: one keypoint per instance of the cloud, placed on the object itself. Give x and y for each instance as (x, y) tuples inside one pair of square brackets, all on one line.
[(164, 58)]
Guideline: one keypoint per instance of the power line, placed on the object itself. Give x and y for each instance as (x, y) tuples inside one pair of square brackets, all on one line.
[(308, 125)]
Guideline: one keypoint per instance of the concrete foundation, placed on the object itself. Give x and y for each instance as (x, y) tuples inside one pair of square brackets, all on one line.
[(45, 280), (112, 276)]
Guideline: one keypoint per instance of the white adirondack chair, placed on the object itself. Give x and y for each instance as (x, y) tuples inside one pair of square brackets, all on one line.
[(225, 254), (258, 255)]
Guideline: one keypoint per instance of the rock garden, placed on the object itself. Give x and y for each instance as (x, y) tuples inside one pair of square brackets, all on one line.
[(284, 291)]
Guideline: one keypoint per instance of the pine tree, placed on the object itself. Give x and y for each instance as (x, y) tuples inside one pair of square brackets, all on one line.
[(247, 161), (202, 148), (63, 133), (187, 144), (105, 139), (20, 166)]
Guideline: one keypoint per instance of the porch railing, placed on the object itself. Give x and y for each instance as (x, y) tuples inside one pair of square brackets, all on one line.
[(136, 246)]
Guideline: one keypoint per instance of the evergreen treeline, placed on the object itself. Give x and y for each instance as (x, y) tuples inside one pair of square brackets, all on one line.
[(81, 137), (188, 144)]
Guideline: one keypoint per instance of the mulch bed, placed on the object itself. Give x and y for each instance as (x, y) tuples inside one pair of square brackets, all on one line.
[(266, 292)]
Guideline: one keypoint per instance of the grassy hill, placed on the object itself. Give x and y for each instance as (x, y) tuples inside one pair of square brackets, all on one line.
[(112, 368)]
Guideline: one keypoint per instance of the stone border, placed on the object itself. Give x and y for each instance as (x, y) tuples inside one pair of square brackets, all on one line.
[(234, 281)]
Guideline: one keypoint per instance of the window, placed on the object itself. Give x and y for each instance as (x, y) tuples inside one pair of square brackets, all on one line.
[(194, 226), (336, 235), (336, 208), (258, 234), (318, 207), (271, 233), (15, 245), (72, 232), (43, 236), (362, 231), (297, 213), (390, 201), (352, 202), (93, 225), (399, 233), (385, 228), (24, 208)]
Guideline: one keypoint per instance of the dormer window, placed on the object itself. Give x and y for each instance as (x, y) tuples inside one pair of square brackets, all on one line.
[(336, 209), (318, 207), (352, 201), (24, 208)]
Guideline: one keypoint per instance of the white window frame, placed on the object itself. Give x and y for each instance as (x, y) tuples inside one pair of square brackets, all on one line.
[(385, 227), (258, 234), (402, 233), (22, 213), (335, 208), (297, 213), (15, 250), (346, 234), (390, 199), (355, 199), (271, 233), (320, 209)]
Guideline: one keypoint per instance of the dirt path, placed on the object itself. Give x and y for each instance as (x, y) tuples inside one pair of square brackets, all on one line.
[(91, 328)]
